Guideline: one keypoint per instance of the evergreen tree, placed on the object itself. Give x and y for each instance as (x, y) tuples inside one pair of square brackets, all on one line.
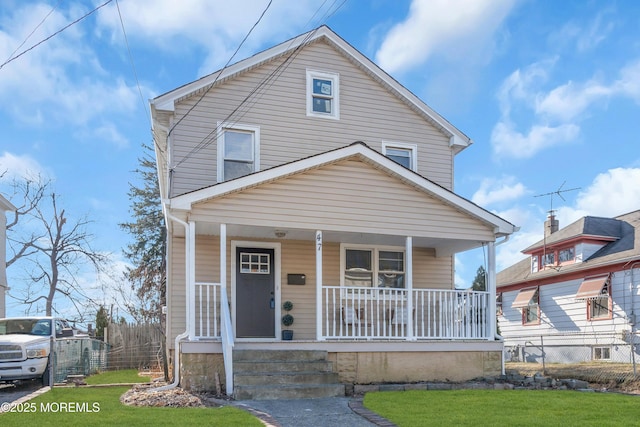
[(102, 321), (147, 252), (480, 281)]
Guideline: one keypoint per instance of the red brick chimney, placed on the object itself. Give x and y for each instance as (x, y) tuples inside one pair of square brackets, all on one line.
[(551, 225)]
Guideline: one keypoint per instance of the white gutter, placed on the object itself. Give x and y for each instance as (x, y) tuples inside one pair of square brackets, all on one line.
[(185, 334)]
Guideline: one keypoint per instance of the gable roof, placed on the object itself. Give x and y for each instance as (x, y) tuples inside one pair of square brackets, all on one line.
[(457, 139), (364, 153), (622, 232)]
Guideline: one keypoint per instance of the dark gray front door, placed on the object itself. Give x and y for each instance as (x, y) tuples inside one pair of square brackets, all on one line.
[(255, 297)]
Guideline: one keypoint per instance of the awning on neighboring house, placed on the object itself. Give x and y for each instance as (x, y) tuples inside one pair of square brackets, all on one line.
[(592, 287), (524, 297)]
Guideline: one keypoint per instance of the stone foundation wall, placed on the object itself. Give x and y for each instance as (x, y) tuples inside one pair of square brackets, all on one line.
[(407, 367), (198, 371)]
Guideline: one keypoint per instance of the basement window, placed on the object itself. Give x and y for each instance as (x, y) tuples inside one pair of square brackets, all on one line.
[(602, 353)]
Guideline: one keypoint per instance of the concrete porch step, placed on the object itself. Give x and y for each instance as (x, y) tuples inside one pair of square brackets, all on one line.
[(279, 355), (285, 366), (285, 378), (291, 391), (284, 374)]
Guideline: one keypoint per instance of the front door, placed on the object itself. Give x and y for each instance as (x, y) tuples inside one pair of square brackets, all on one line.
[(255, 297)]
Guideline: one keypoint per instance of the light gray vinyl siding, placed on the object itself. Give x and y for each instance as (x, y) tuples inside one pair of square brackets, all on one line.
[(368, 113), (562, 314), (348, 196)]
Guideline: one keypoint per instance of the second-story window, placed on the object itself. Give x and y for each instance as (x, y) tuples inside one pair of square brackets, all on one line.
[(404, 154), (323, 91), (238, 151)]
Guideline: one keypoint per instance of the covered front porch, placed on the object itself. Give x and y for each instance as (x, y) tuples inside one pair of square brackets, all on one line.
[(328, 303)]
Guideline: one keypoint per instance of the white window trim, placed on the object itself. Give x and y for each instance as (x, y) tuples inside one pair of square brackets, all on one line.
[(376, 259), (413, 148), (335, 79), (222, 126)]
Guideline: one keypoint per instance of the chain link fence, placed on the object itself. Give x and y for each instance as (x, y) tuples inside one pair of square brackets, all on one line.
[(599, 358), (78, 356)]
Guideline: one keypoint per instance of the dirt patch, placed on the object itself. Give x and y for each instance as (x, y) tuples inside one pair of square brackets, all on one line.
[(149, 395), (601, 376)]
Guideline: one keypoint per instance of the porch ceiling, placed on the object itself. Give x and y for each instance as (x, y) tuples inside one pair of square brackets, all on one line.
[(443, 247)]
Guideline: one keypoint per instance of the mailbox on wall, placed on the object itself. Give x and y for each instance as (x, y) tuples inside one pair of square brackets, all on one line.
[(296, 279)]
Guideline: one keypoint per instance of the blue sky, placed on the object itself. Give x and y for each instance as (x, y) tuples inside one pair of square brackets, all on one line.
[(548, 91)]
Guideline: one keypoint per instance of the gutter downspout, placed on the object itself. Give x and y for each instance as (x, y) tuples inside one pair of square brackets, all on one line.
[(492, 280), (185, 334)]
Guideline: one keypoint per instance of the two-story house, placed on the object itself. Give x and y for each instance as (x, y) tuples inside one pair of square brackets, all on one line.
[(576, 295), (306, 174)]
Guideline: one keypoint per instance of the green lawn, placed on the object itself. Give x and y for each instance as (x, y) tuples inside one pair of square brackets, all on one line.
[(117, 377), (505, 408), (85, 406)]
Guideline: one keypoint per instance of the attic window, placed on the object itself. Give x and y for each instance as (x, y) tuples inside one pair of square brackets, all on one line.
[(323, 90), (403, 154)]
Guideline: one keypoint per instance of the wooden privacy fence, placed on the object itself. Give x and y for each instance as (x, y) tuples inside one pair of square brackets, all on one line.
[(134, 346)]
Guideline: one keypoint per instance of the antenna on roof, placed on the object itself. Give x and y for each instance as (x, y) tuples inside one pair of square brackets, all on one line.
[(558, 192)]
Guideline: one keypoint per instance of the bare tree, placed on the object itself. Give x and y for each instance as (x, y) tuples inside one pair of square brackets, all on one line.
[(30, 191), (53, 252)]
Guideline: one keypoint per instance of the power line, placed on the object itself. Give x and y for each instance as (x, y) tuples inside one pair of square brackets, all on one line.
[(54, 34), (32, 32), (260, 88), (223, 68), (135, 74)]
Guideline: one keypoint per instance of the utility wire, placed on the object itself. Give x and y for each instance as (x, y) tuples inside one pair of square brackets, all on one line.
[(32, 32), (260, 89), (223, 68), (133, 65), (54, 34)]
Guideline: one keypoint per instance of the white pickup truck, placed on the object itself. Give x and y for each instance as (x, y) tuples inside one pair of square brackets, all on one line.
[(25, 346)]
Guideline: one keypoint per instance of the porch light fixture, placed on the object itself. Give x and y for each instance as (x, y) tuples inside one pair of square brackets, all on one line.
[(280, 234)]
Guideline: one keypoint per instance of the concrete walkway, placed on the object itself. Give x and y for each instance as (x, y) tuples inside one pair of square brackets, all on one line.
[(325, 412)]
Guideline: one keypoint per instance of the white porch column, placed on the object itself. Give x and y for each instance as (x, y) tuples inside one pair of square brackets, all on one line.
[(491, 287), (191, 278), (223, 255), (319, 285), (408, 250)]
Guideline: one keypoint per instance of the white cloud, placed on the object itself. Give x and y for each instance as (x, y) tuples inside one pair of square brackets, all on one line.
[(62, 81), (612, 193), (509, 142), (216, 27), (498, 190), (567, 102), (460, 29), (557, 112), (20, 167)]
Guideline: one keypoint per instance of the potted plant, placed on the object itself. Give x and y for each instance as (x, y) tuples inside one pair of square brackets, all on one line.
[(287, 320)]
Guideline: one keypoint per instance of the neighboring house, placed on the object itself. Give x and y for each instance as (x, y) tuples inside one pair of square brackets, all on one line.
[(5, 206), (307, 174), (576, 296)]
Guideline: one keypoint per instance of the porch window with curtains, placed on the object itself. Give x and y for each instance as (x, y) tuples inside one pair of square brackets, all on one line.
[(374, 267)]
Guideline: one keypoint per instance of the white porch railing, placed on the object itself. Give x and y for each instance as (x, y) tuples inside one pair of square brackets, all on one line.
[(374, 313), (208, 310), (371, 313)]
